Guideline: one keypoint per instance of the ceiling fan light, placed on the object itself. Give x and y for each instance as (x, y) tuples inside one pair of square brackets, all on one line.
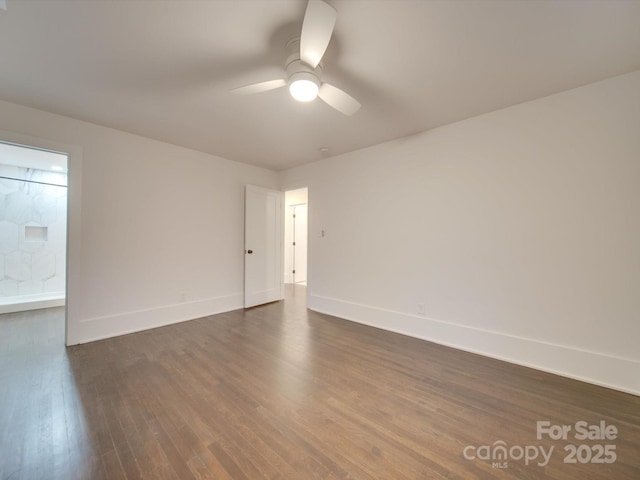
[(303, 86)]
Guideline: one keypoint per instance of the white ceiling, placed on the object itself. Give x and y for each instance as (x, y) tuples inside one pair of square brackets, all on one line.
[(163, 69)]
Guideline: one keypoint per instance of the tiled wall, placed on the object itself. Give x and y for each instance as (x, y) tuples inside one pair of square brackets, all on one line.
[(32, 266)]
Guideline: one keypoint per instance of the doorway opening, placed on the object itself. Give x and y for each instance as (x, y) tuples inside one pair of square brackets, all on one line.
[(295, 236), (33, 228)]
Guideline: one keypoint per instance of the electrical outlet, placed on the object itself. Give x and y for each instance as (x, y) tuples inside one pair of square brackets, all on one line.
[(421, 309)]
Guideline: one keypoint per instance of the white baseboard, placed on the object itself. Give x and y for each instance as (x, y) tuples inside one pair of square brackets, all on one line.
[(592, 367), (99, 328), (31, 302)]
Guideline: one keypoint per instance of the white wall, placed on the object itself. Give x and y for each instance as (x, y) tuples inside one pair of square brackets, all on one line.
[(519, 230), (156, 230)]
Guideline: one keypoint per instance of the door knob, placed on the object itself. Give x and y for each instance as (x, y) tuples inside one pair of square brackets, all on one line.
[(249, 252)]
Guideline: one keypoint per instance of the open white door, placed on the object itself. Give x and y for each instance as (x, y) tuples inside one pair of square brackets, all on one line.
[(262, 246)]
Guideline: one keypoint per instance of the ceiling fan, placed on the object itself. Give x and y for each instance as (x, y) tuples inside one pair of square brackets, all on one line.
[(303, 66)]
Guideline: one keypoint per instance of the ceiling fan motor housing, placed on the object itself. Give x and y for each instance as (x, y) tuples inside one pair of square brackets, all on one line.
[(296, 68)]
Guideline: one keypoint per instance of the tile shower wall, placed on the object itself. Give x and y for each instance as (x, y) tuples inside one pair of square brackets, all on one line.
[(33, 264)]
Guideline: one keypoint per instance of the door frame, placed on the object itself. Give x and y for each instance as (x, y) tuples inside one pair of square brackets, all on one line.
[(74, 223), (309, 223), (283, 190)]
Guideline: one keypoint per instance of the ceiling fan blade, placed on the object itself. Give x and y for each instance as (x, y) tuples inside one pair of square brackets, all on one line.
[(260, 87), (317, 27), (341, 101)]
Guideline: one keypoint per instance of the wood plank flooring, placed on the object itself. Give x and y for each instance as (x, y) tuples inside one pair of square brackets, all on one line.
[(279, 392)]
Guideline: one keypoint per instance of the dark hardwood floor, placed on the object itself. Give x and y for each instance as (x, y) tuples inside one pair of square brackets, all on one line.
[(281, 392)]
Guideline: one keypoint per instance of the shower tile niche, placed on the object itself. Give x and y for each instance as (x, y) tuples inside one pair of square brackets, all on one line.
[(35, 234)]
